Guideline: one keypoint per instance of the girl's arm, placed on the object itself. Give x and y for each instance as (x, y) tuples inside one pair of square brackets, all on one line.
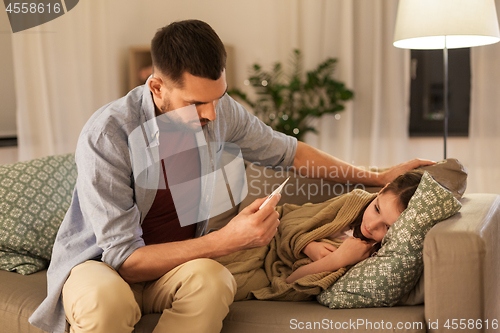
[(329, 263), (352, 251), (317, 250)]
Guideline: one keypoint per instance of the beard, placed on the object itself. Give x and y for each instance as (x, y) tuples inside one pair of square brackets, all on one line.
[(184, 119)]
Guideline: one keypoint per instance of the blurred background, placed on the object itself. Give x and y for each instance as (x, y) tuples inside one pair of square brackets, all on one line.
[(54, 76)]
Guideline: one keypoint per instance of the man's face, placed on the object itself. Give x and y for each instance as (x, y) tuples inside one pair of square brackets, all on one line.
[(203, 93)]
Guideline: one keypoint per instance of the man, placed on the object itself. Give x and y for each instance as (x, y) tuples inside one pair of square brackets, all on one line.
[(120, 251)]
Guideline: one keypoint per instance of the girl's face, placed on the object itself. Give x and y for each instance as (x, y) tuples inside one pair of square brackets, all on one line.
[(380, 214)]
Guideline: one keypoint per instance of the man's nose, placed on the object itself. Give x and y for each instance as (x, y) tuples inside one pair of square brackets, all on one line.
[(207, 111)]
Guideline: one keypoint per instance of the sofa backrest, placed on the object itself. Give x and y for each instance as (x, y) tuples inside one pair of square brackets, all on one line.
[(261, 181)]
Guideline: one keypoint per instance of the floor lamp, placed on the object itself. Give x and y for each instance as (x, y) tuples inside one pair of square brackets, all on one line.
[(445, 24)]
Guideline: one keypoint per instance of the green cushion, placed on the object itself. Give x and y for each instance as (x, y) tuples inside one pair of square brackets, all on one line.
[(34, 197), (383, 279)]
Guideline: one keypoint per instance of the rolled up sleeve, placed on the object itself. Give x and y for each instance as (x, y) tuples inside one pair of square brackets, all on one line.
[(106, 197)]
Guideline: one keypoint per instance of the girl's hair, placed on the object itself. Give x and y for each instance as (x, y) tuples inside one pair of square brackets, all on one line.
[(404, 186)]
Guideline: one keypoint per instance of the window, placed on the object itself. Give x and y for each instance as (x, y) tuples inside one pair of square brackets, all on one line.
[(427, 92)]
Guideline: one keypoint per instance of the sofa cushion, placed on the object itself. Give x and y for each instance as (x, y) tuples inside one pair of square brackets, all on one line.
[(383, 279), (34, 197), (20, 296), (276, 317), (416, 295)]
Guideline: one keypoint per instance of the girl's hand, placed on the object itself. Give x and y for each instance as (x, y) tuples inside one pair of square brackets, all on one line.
[(352, 251), (317, 250)]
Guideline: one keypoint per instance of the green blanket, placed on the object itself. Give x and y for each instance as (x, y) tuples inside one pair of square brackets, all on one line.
[(261, 272)]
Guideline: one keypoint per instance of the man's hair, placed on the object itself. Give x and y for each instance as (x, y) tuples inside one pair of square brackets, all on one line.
[(188, 46)]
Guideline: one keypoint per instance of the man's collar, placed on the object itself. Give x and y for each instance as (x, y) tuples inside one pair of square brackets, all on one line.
[(148, 108)]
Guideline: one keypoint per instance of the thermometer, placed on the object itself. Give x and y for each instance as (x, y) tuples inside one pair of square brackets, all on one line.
[(276, 191)]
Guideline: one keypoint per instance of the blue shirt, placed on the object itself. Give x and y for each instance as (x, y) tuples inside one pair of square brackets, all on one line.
[(108, 206)]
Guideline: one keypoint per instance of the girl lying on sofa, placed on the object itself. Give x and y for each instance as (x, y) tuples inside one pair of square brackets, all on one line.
[(316, 243)]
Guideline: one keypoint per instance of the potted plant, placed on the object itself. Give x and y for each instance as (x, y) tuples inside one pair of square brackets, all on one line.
[(288, 102)]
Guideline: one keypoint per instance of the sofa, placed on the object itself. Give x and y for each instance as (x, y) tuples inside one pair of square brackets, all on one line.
[(458, 290)]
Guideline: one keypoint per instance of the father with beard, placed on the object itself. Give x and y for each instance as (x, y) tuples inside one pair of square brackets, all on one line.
[(129, 245)]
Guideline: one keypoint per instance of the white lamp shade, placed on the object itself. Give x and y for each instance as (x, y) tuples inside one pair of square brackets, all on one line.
[(429, 24)]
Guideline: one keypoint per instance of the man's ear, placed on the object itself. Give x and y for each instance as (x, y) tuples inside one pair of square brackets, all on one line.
[(155, 84)]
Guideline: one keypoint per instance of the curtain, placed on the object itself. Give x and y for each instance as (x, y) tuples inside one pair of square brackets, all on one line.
[(482, 153), (68, 68), (62, 74), (372, 131)]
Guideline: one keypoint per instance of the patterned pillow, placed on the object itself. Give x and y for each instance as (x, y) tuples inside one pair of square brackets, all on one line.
[(383, 279), (34, 197)]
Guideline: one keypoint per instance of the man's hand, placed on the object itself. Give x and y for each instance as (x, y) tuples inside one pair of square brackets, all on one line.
[(348, 172), (391, 174), (317, 250), (251, 227)]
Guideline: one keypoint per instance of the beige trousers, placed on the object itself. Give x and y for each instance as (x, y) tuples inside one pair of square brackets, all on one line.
[(193, 297)]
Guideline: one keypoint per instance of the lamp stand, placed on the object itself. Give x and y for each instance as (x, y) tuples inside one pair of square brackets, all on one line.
[(446, 111)]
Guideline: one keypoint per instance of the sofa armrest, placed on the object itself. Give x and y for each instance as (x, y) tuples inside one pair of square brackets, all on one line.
[(462, 263)]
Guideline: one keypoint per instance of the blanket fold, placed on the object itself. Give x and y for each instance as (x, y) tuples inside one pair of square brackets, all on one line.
[(261, 272)]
